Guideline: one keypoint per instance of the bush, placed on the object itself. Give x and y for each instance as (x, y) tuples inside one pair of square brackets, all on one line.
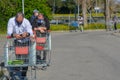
[(64, 27), (9, 8), (3, 28), (118, 25), (59, 27), (94, 26)]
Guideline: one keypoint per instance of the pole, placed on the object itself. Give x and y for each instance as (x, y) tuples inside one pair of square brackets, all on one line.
[(78, 13), (78, 8), (96, 6), (23, 6), (90, 16), (53, 7), (75, 10)]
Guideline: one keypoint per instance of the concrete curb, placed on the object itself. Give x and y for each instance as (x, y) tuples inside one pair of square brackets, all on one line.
[(84, 30)]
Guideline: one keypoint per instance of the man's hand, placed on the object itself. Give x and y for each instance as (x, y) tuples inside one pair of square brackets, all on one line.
[(35, 29), (17, 36), (42, 29), (32, 38), (25, 34)]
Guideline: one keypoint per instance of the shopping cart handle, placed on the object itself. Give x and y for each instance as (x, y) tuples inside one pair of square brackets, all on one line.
[(8, 37), (48, 30)]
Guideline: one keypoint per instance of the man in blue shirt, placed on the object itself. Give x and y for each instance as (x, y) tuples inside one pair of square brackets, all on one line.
[(35, 14)]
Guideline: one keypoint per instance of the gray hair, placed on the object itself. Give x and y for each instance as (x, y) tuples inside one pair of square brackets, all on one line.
[(19, 14)]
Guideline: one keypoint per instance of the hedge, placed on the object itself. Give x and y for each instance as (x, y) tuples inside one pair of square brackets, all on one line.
[(65, 27)]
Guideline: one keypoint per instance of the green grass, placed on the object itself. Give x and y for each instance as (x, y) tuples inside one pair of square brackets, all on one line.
[(59, 27), (72, 15), (93, 14), (95, 26)]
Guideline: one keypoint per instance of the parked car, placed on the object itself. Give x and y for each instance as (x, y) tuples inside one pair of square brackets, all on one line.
[(56, 22)]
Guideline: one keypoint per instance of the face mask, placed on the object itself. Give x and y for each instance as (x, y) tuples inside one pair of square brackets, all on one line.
[(39, 22)]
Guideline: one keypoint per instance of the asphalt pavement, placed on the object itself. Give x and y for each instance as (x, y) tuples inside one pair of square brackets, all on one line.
[(84, 56), (91, 55)]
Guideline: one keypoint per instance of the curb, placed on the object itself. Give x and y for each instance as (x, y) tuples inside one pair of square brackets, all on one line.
[(84, 30)]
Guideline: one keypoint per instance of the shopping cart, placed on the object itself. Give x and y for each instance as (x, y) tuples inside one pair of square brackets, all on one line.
[(18, 56), (43, 49)]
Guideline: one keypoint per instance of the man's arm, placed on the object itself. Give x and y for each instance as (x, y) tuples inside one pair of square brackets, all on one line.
[(34, 24), (47, 23), (29, 28), (31, 19), (10, 27)]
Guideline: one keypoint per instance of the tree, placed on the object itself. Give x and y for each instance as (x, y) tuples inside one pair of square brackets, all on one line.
[(62, 6), (41, 5), (10, 7), (107, 14), (84, 12)]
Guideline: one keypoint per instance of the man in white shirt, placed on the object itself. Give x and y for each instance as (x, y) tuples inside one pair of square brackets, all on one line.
[(20, 29), (80, 22)]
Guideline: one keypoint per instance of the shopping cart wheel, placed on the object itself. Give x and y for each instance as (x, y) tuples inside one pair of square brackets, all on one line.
[(48, 65), (44, 68)]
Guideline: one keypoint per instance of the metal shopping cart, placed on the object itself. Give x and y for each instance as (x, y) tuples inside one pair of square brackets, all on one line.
[(43, 49), (20, 57)]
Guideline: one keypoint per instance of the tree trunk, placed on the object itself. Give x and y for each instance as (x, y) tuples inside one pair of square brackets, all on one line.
[(107, 14), (84, 11)]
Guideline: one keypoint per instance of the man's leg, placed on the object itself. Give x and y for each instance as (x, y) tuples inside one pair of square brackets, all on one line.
[(44, 56), (24, 71), (14, 72), (81, 28), (10, 70), (115, 26), (38, 56)]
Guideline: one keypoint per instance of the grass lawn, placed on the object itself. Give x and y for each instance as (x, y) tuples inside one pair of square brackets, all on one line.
[(72, 15)]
